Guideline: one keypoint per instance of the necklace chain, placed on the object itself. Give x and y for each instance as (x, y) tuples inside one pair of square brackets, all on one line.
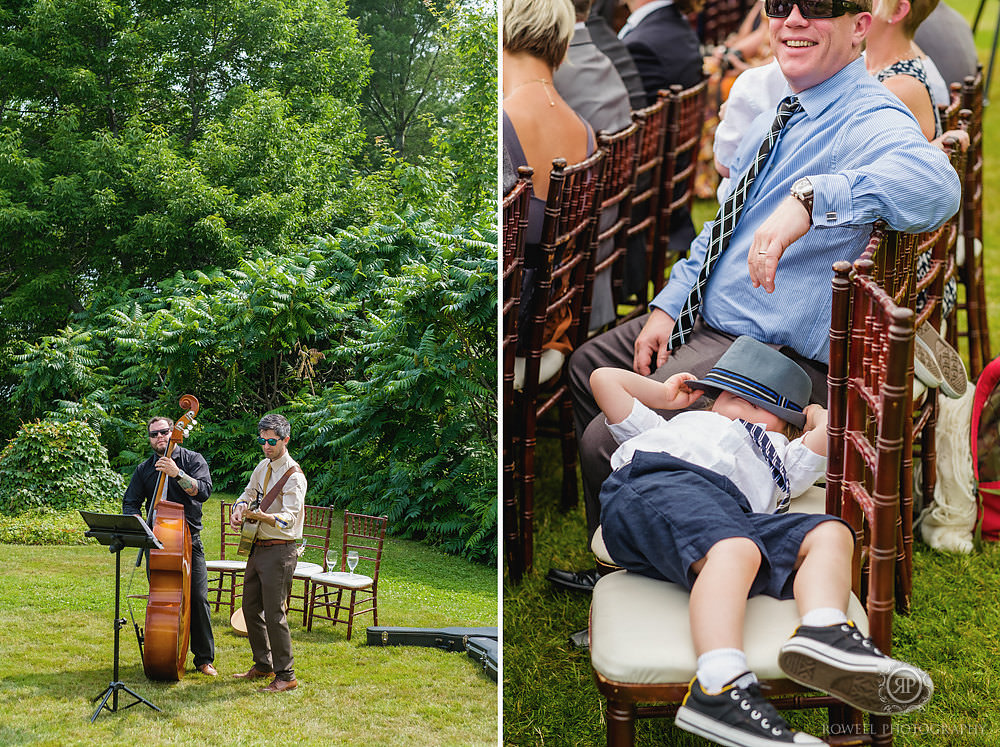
[(543, 81)]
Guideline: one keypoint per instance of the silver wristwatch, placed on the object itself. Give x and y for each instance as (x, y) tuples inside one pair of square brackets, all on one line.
[(802, 191)]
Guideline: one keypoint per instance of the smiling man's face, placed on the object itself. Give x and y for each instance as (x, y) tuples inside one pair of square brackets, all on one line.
[(811, 50)]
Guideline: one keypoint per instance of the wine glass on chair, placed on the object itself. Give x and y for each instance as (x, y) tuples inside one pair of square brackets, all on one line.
[(331, 560), (352, 560)]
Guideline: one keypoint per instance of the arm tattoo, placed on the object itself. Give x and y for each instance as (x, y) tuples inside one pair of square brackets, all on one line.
[(187, 483)]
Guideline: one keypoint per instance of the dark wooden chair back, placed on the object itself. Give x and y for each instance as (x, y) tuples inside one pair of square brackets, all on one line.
[(870, 385), (971, 274), (685, 125), (893, 257), (643, 230), (515, 225), (559, 269), (615, 209), (366, 534), (718, 19)]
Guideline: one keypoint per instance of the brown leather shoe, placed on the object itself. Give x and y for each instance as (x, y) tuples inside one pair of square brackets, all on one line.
[(280, 686), (253, 674), (209, 670)]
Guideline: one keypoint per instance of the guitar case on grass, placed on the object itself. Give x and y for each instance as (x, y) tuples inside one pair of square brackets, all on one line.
[(483, 651), (479, 643)]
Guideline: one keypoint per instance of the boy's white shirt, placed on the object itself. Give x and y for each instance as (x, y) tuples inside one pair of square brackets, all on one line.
[(719, 444)]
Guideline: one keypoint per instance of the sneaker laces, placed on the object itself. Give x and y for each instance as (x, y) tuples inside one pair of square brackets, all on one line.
[(754, 704), (866, 642)]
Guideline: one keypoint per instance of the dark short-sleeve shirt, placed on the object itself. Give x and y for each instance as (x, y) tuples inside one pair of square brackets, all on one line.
[(142, 486)]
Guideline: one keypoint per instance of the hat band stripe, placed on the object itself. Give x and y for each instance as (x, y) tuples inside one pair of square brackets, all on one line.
[(750, 387)]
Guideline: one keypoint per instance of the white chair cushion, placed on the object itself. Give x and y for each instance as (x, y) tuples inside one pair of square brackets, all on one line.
[(640, 630), (307, 570), (813, 501), (347, 580), (550, 365), (226, 565)]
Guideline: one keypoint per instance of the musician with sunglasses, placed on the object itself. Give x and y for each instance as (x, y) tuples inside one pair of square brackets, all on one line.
[(189, 483), (275, 499)]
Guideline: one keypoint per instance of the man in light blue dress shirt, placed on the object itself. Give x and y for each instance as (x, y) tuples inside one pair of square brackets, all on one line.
[(864, 158)]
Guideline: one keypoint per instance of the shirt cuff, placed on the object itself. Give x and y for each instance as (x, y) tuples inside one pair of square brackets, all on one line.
[(832, 202)]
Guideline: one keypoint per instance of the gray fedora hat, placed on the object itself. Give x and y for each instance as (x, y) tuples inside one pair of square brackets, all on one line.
[(762, 375)]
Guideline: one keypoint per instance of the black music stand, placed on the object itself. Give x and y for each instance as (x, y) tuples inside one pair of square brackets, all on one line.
[(118, 532)]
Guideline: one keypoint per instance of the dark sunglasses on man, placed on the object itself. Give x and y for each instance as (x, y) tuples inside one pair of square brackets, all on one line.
[(161, 432), (268, 441), (811, 8)]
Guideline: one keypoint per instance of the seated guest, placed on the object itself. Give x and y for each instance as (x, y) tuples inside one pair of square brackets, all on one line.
[(663, 44), (604, 36), (893, 58), (590, 84), (947, 39), (538, 125), (666, 51)]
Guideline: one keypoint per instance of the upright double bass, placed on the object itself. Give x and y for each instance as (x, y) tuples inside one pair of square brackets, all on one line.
[(168, 611)]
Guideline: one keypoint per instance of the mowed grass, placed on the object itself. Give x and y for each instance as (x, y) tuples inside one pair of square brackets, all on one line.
[(550, 697), (57, 618)]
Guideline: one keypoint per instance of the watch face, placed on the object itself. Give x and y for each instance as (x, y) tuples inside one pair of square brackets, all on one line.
[(802, 188)]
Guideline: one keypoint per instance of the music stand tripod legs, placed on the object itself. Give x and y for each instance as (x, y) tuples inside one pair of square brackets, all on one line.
[(111, 691), (118, 532)]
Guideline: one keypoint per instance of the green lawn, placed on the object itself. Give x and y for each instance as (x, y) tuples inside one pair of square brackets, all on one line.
[(57, 610), (549, 693)]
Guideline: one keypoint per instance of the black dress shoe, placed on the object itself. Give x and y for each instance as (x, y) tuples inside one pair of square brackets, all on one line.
[(573, 580)]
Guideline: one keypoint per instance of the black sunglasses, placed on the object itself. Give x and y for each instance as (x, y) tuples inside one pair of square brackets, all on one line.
[(811, 8), (268, 441), (154, 434)]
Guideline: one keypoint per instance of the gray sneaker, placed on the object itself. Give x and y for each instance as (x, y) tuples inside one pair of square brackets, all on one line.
[(939, 361), (839, 660)]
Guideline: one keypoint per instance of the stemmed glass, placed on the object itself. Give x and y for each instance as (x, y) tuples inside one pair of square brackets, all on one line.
[(331, 560), (352, 560), (300, 551)]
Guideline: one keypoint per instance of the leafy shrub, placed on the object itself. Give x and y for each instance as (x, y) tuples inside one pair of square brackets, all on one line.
[(58, 465)]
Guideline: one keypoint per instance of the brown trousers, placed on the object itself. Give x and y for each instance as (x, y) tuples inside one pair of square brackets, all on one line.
[(266, 585), (615, 348)]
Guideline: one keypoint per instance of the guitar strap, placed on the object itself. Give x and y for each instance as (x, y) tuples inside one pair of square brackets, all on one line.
[(276, 488)]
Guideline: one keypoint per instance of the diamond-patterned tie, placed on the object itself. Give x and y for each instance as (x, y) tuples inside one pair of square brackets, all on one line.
[(778, 474), (725, 222)]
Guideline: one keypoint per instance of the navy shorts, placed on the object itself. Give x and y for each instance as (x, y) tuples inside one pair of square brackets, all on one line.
[(660, 515)]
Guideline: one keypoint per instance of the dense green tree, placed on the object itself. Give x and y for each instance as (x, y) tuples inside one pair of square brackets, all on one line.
[(409, 72), (137, 138)]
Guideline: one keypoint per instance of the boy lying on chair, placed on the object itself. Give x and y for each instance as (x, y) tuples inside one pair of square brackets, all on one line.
[(702, 500)]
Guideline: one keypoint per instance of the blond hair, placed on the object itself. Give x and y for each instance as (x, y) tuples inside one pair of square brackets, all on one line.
[(919, 10), (541, 28)]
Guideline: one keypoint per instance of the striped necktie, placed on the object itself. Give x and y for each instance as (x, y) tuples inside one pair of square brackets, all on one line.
[(725, 222), (778, 474)]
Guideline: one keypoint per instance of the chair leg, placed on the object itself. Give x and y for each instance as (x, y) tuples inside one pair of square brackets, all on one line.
[(621, 724), (350, 615), (374, 608), (567, 435), (309, 608)]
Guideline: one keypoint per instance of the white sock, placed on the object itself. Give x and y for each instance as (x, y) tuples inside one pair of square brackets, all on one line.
[(718, 667), (824, 616)]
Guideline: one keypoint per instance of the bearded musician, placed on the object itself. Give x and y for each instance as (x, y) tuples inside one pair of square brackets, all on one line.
[(189, 484)]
